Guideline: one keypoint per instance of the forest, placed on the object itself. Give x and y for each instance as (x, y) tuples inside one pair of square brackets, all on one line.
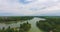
[(15, 18), (49, 25)]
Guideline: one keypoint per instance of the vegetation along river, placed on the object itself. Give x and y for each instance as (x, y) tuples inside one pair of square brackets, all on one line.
[(34, 28)]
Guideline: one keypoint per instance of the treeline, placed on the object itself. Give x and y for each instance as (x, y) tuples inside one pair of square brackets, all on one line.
[(49, 25), (23, 28), (4, 19)]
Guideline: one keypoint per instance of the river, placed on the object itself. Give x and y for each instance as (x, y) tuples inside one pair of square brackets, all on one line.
[(34, 28)]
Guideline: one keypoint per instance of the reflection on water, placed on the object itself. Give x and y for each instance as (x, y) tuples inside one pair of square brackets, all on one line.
[(32, 22)]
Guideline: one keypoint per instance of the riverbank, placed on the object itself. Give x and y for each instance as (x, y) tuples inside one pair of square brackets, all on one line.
[(25, 27), (49, 25), (34, 28)]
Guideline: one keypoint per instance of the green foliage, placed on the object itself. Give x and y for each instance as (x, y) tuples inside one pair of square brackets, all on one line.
[(23, 28), (51, 24), (17, 18)]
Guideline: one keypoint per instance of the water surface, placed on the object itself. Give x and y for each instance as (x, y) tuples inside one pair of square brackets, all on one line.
[(34, 28)]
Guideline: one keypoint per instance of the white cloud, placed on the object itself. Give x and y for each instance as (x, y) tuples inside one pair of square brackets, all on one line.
[(15, 7)]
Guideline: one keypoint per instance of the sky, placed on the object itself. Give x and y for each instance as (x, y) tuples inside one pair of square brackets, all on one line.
[(29, 7)]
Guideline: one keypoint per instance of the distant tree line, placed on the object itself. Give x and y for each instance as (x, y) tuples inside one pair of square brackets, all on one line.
[(7, 19)]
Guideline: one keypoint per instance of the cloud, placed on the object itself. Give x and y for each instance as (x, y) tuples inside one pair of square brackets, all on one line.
[(29, 7), (26, 1)]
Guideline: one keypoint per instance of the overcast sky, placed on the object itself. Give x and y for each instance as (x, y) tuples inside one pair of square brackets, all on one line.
[(29, 7)]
